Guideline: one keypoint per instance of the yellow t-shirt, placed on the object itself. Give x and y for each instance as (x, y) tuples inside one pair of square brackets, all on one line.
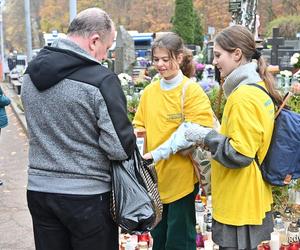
[(240, 196), (159, 112)]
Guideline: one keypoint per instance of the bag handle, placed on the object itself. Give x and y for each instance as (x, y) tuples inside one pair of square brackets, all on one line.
[(184, 88)]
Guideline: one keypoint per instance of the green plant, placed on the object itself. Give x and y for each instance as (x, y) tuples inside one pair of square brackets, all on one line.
[(294, 103), (152, 71), (132, 105), (217, 101), (280, 198), (141, 83)]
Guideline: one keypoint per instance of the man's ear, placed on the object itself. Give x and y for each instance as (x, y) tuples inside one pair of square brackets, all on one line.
[(92, 41), (237, 54)]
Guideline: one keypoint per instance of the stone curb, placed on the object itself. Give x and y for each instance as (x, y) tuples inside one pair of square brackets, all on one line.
[(11, 93)]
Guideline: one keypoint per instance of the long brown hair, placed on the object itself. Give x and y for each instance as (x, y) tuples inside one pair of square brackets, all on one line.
[(175, 46), (238, 36), (171, 42)]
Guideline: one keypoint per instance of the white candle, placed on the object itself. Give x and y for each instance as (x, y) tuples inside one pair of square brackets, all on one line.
[(274, 242), (208, 245)]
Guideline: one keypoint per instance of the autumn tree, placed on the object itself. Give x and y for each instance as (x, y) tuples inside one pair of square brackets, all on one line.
[(269, 10), (144, 16), (183, 21), (14, 27), (37, 34), (50, 13), (288, 26)]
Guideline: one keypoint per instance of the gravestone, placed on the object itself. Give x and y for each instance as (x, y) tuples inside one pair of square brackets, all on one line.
[(286, 52), (292, 43), (284, 57), (281, 52), (266, 53), (275, 41), (124, 52)]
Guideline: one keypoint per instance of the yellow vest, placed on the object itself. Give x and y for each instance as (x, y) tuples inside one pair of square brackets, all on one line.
[(240, 196), (159, 112)]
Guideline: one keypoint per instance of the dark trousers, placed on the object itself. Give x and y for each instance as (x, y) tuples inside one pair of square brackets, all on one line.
[(176, 230), (232, 248), (72, 222)]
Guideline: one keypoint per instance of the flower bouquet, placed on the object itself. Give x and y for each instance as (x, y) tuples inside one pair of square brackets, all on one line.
[(295, 62)]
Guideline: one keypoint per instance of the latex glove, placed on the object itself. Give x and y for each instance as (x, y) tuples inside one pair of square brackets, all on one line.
[(197, 134)]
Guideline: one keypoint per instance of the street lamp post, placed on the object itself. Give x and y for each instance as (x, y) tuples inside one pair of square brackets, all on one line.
[(73, 9), (2, 39), (28, 29)]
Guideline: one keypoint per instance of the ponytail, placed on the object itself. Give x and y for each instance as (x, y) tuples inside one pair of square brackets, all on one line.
[(268, 78), (187, 65)]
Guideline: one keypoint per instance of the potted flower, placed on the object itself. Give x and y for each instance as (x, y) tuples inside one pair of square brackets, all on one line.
[(125, 79), (295, 62), (286, 77), (199, 67), (286, 73), (126, 82)]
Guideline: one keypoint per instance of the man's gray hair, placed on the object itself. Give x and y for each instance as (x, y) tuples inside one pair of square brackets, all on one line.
[(91, 21)]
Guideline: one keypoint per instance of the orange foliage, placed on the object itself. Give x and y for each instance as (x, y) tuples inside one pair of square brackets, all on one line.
[(141, 15)]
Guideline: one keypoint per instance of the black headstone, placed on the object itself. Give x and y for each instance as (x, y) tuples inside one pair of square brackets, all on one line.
[(284, 57), (275, 41)]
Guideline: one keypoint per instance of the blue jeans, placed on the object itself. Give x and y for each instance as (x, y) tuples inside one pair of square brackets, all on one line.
[(72, 222)]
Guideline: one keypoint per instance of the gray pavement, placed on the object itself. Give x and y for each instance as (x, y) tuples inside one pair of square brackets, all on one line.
[(15, 221)]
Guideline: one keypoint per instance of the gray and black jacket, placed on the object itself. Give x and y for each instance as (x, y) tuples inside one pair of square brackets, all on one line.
[(77, 121)]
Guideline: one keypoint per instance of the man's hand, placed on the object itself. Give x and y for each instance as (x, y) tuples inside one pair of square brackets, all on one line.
[(148, 156)]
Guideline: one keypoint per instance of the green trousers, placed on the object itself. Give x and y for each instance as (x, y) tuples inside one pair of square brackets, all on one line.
[(176, 231)]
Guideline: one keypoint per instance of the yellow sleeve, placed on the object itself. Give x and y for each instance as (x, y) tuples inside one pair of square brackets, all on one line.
[(138, 121), (197, 106), (244, 128)]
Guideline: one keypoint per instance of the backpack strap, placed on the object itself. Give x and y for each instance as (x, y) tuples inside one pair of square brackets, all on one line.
[(264, 90), (279, 108)]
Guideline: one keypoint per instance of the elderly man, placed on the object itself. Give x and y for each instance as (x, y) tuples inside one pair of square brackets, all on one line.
[(77, 123)]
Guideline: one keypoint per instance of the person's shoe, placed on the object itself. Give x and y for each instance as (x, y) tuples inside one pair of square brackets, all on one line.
[(1, 183)]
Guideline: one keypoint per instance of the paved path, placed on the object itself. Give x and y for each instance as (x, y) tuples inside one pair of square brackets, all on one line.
[(15, 221)]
